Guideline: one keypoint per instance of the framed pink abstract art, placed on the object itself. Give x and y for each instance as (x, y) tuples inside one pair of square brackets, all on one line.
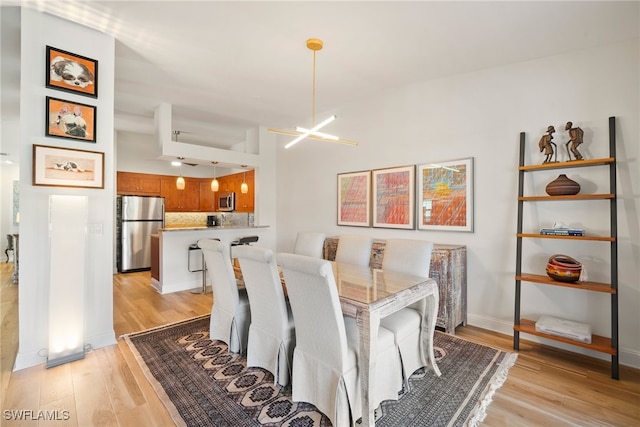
[(354, 195), (394, 197)]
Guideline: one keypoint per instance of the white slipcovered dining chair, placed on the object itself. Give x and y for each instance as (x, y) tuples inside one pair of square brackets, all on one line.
[(230, 315), (309, 243), (272, 333), (410, 257), (354, 249), (325, 360)]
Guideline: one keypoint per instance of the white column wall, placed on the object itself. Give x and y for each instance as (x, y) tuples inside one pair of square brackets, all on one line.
[(480, 115), (37, 31)]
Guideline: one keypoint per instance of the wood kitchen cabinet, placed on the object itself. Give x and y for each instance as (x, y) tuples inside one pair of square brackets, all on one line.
[(244, 202), (207, 197), (138, 184), (187, 200)]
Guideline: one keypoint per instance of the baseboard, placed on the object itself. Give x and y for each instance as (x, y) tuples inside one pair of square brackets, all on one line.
[(627, 356)]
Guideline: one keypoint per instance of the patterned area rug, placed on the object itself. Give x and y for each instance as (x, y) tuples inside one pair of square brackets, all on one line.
[(201, 384)]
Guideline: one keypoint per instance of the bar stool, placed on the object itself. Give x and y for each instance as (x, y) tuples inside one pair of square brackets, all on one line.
[(194, 247)]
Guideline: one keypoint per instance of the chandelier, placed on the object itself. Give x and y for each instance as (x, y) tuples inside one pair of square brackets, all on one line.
[(301, 133)]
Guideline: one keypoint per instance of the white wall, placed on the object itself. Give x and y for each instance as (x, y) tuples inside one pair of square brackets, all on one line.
[(37, 31), (9, 117), (480, 115)]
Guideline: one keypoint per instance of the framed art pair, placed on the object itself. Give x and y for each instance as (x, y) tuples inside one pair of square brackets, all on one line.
[(77, 74), (431, 196)]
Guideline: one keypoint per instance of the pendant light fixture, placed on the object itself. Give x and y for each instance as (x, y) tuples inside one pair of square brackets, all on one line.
[(180, 184), (244, 187), (301, 133), (215, 185)]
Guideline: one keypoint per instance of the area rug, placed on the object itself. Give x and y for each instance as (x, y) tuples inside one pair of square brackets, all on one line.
[(202, 384)]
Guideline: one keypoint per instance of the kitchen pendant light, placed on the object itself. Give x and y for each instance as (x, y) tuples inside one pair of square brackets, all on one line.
[(180, 181), (180, 184), (244, 188), (301, 133), (215, 185)]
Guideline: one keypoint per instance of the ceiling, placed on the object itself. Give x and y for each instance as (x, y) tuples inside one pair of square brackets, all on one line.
[(228, 66)]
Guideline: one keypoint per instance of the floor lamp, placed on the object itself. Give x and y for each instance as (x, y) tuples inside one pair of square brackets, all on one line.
[(67, 247)]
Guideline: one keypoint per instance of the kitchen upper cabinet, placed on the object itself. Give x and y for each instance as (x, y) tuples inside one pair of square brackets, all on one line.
[(187, 200), (138, 184), (207, 197), (244, 202)]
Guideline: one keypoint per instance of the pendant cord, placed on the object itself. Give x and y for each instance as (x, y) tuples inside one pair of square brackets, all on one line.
[(313, 93)]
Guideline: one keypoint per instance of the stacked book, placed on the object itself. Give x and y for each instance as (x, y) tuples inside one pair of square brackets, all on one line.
[(562, 231)]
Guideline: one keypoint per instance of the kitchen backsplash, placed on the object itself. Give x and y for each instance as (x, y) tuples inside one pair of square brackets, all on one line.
[(194, 219)]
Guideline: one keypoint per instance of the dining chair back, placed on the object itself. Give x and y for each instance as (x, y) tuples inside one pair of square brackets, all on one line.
[(309, 243), (325, 360), (409, 257), (230, 314), (354, 249), (272, 333)]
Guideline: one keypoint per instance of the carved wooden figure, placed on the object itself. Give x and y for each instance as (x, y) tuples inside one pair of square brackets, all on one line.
[(575, 139), (548, 146)]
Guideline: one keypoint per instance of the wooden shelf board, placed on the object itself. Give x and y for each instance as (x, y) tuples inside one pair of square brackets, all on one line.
[(553, 236), (598, 343), (586, 286), (572, 197), (571, 164)]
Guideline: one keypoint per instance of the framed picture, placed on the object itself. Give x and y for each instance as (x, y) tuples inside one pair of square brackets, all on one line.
[(394, 197), (71, 73), (354, 199), (445, 195), (66, 119), (65, 167)]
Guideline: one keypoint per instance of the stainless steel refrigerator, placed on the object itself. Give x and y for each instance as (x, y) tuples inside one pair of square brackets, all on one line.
[(138, 217)]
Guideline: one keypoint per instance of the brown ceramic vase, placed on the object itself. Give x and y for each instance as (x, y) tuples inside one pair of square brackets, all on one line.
[(562, 186)]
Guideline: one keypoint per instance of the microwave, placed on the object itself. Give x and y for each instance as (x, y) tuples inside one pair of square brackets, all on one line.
[(226, 201)]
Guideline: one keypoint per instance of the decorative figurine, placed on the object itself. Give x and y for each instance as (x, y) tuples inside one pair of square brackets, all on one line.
[(575, 139), (547, 145)]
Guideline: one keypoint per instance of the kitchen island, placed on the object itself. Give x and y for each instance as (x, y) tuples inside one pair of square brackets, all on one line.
[(178, 265)]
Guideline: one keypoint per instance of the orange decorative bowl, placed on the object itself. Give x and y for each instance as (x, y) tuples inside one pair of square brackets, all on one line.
[(563, 268)]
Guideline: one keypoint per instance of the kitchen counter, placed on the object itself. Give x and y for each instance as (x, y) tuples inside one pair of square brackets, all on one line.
[(218, 227), (180, 268)]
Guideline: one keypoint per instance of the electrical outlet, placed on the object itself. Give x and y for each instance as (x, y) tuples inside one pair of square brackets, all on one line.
[(94, 229)]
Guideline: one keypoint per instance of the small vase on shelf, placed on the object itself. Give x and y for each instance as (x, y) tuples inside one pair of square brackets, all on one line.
[(562, 186)]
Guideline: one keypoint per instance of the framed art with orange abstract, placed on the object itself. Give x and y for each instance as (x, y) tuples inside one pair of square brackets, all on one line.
[(445, 195), (394, 197), (354, 195)]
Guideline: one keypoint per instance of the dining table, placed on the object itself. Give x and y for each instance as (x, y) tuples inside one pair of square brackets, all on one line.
[(370, 294)]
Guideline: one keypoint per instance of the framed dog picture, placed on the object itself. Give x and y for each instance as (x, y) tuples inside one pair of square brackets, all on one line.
[(71, 73), (66, 119), (65, 167)]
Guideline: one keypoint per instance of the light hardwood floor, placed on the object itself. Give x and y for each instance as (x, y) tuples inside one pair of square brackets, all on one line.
[(546, 387)]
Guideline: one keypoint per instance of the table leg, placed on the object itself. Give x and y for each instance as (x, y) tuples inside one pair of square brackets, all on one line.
[(368, 324), (430, 318)]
